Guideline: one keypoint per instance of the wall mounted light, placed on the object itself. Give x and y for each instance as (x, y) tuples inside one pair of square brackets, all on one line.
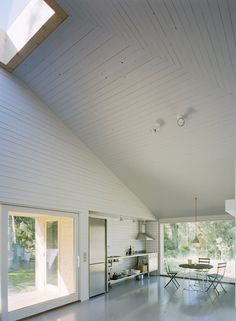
[(180, 120)]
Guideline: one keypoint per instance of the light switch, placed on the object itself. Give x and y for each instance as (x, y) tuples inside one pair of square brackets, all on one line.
[(85, 256)]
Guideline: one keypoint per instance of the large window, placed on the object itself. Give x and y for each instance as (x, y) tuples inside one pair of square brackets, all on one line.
[(41, 258), (216, 241), (21, 254)]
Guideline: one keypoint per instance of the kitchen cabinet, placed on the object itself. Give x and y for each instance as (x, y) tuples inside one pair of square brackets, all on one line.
[(146, 262)]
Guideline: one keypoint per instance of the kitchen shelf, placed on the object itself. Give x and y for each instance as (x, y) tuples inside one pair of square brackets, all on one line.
[(116, 259), (126, 278), (128, 256)]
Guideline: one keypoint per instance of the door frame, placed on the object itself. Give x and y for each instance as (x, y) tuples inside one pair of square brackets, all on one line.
[(46, 305)]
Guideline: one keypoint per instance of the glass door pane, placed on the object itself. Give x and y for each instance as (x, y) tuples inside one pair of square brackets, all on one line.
[(52, 253), (35, 272), (21, 254)]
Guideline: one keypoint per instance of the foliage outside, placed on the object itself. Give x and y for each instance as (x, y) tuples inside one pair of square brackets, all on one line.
[(216, 241), (21, 271), (23, 232)]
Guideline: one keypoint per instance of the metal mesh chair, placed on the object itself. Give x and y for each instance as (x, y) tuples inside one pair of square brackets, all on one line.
[(202, 274), (215, 279), (172, 274), (204, 260)]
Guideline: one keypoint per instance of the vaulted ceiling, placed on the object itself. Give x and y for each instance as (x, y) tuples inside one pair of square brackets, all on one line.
[(116, 68)]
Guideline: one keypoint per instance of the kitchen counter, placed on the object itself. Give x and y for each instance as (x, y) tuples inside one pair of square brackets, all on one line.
[(147, 264), (129, 256)]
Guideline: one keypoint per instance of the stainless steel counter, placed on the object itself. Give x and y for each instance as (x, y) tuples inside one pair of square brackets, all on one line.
[(150, 259)]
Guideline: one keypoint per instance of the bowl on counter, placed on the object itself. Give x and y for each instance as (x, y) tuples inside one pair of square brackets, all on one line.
[(134, 271)]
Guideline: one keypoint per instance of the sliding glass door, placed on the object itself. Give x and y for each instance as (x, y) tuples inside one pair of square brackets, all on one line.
[(38, 260)]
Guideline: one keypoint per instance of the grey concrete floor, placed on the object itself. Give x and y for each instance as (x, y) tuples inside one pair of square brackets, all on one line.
[(148, 300)]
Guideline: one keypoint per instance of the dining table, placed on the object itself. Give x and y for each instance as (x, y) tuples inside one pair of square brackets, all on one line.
[(198, 267)]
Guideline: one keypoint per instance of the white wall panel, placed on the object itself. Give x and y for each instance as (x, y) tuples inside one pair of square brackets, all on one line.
[(43, 164), (122, 234), (152, 230)]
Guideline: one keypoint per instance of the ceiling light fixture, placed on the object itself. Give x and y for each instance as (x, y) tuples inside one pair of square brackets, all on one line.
[(195, 240), (180, 120)]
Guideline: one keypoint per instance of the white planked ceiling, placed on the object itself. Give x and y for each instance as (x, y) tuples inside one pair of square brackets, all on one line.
[(115, 68)]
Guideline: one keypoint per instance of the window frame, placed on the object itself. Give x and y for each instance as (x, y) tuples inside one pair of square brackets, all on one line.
[(186, 220)]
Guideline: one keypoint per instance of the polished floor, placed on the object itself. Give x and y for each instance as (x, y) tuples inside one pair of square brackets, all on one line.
[(148, 300)]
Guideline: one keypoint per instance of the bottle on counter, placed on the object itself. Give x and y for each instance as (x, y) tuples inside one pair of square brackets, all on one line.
[(130, 250), (133, 251)]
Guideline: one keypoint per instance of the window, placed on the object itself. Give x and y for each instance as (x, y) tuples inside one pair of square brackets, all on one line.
[(216, 241)]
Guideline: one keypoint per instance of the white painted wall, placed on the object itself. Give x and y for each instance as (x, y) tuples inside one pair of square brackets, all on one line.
[(120, 235), (152, 229), (42, 164)]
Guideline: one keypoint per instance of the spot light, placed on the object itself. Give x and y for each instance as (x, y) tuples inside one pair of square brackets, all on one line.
[(180, 120), (155, 129)]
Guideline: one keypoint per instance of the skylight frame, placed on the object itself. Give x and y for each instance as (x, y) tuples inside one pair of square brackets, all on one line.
[(46, 29)]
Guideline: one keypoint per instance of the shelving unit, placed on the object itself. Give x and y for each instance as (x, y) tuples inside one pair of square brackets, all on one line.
[(126, 277), (115, 259), (127, 256)]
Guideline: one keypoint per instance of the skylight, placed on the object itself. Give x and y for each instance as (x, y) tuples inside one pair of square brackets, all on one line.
[(20, 22), (10, 10)]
